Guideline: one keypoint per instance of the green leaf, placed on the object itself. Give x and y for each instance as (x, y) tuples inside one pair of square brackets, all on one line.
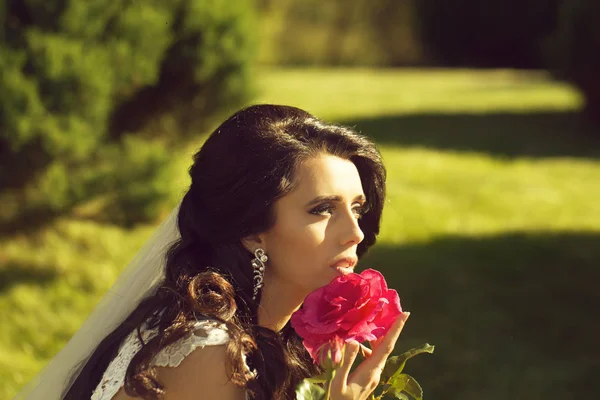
[(413, 388), (395, 365), (319, 378), (309, 391), (405, 383)]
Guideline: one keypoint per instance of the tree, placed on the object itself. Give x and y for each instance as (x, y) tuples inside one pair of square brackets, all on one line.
[(478, 33), (574, 50)]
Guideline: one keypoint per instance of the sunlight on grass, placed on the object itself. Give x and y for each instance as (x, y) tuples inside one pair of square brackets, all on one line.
[(433, 193), (351, 93), (439, 189)]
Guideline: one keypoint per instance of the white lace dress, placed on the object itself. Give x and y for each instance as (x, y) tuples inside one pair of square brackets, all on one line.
[(208, 333)]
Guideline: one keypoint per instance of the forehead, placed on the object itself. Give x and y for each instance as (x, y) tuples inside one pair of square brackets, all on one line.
[(325, 174)]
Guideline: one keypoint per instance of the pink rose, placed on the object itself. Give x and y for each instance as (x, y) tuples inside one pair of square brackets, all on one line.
[(352, 307)]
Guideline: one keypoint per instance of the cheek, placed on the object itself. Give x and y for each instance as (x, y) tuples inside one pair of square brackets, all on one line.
[(298, 250)]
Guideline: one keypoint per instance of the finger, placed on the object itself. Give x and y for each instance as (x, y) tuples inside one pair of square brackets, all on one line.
[(338, 382), (365, 351), (376, 362), (375, 343)]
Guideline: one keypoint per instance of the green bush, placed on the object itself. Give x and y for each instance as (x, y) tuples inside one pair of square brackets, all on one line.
[(338, 32), (574, 50), (81, 79)]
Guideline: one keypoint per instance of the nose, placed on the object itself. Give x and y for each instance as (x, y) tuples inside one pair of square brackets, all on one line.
[(352, 234)]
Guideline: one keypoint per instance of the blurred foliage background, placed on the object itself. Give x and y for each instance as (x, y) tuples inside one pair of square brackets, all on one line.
[(487, 115)]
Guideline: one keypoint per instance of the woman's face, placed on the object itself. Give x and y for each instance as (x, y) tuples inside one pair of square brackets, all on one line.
[(316, 225)]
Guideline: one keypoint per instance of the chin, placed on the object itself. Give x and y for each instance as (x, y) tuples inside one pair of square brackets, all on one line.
[(324, 282)]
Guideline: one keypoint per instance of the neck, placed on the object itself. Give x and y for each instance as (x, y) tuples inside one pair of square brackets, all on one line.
[(277, 304)]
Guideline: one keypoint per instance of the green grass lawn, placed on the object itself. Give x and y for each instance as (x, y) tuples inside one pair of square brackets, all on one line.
[(491, 232)]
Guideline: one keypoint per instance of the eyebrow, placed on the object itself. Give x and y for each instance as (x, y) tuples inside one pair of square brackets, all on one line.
[(334, 198)]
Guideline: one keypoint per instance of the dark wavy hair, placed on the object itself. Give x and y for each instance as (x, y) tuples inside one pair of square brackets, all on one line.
[(242, 169)]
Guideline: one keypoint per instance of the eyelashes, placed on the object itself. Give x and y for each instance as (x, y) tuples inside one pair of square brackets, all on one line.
[(323, 209)]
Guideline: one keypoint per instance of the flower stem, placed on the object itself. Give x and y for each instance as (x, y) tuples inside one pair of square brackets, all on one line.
[(328, 384), (328, 390)]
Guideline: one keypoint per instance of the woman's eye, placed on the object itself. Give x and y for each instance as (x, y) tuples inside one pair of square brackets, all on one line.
[(322, 209), (358, 211)]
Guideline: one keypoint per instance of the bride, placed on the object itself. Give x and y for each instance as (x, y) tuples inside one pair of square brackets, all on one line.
[(278, 202)]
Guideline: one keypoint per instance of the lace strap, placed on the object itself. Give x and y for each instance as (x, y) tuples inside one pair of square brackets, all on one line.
[(207, 333)]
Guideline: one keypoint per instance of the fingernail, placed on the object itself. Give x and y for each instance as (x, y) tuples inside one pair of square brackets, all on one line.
[(406, 315)]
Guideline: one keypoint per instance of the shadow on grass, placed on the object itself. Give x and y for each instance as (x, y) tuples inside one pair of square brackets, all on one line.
[(512, 316), (13, 273), (547, 134)]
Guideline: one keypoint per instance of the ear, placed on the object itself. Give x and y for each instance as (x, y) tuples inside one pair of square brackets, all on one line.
[(252, 242)]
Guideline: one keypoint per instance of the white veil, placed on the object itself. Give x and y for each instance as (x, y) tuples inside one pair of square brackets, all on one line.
[(139, 280)]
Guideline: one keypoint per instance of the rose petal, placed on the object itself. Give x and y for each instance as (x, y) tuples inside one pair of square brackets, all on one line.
[(377, 283)]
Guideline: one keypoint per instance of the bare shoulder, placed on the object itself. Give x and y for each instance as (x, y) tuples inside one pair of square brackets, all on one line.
[(201, 375)]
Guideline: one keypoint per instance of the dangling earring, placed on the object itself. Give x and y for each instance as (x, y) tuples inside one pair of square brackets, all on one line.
[(259, 269)]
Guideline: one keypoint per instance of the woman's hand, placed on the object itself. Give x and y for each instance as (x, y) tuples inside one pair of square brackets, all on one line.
[(364, 379)]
